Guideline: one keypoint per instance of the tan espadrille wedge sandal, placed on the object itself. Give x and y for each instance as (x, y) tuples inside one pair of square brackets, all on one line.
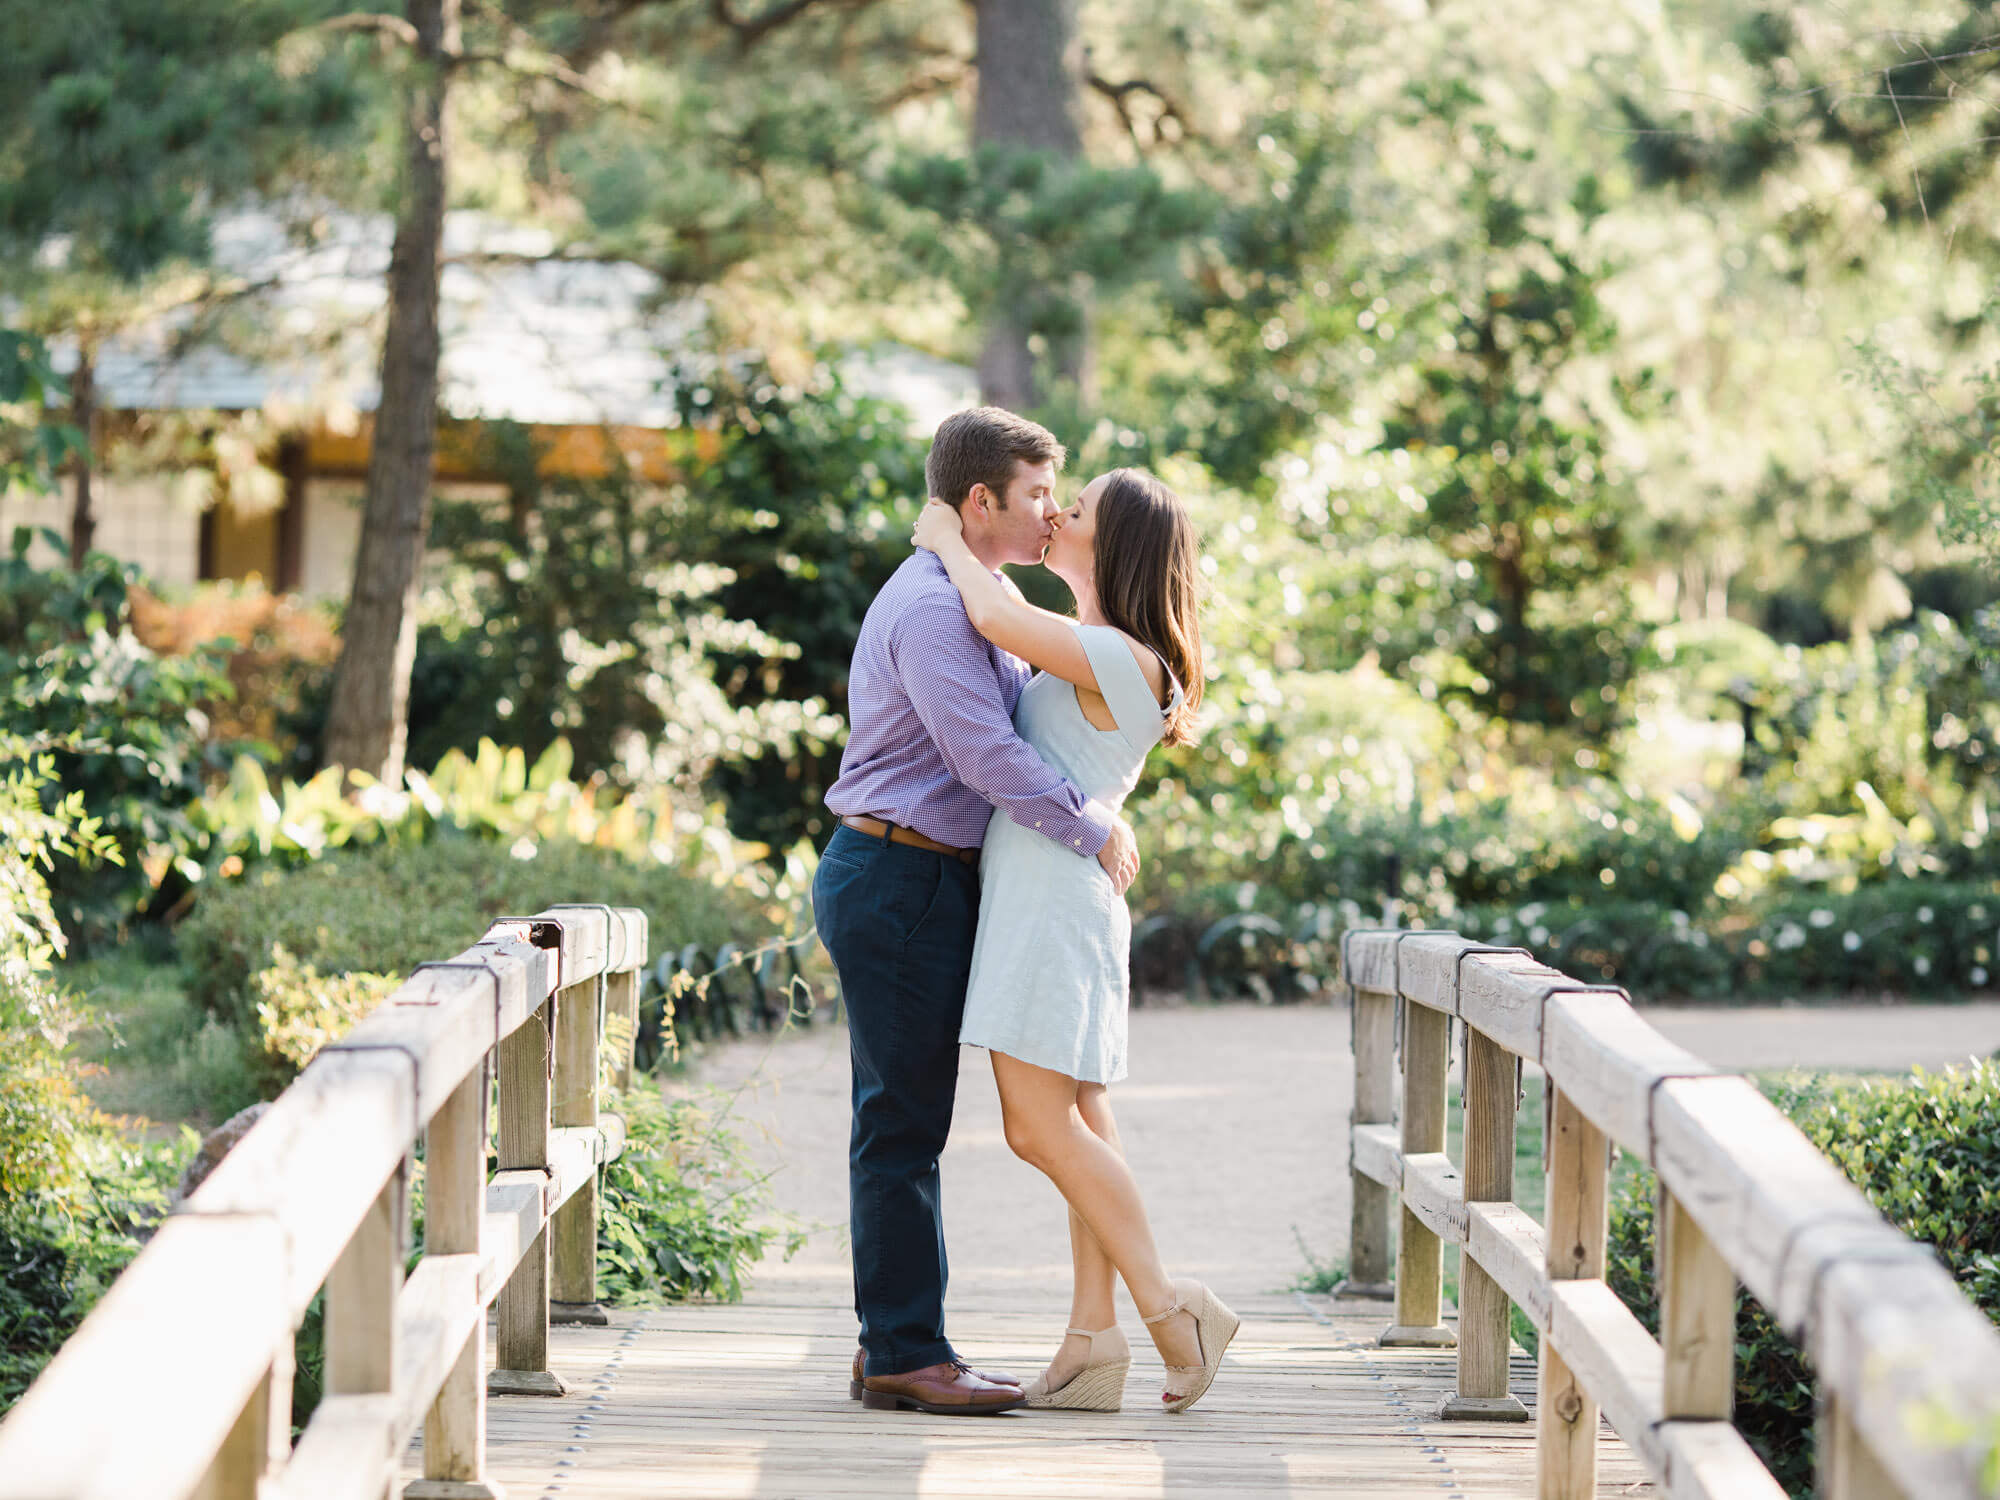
[(1098, 1386), (1214, 1326)]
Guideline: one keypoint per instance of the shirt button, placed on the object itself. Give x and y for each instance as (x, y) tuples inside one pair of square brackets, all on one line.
[(1078, 843), (1038, 822)]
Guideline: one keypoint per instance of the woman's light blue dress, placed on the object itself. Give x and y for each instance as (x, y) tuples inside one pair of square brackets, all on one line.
[(1051, 959)]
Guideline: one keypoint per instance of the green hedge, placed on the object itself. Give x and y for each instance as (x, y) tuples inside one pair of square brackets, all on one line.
[(1906, 936), (1925, 1150), (384, 910)]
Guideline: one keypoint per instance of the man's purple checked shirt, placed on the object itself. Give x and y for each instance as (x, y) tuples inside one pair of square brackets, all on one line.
[(931, 742)]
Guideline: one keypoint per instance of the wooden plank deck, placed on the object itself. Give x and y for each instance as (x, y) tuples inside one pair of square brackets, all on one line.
[(751, 1400)]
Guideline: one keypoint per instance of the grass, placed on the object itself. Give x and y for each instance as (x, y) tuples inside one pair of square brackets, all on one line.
[(153, 1055)]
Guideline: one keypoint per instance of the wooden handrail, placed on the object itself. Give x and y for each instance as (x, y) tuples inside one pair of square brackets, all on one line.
[(1909, 1369), (179, 1382)]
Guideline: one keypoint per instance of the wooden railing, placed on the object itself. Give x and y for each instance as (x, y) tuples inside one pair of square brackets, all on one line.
[(1908, 1369), (179, 1382)]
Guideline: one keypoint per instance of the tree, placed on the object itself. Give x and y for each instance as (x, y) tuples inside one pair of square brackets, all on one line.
[(368, 721), (1029, 56), (125, 125)]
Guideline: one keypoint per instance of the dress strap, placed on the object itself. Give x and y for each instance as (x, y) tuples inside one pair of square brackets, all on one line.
[(1123, 685)]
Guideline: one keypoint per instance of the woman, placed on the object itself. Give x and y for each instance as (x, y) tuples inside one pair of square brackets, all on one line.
[(1050, 964)]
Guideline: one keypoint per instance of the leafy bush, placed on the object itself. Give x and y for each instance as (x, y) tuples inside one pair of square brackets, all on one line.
[(677, 1208), (55, 1263), (124, 723), (1925, 1150), (300, 1010), (44, 1115), (384, 910), (273, 648)]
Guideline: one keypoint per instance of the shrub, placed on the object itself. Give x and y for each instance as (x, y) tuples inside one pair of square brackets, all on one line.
[(57, 1259), (124, 724), (677, 1208), (385, 910), (1926, 1151), (300, 1010), (273, 648)]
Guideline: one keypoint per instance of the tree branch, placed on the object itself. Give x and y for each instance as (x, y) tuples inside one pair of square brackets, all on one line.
[(1118, 93), (390, 28), (553, 70)]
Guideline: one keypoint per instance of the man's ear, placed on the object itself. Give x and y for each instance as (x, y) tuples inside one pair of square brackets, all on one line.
[(979, 499)]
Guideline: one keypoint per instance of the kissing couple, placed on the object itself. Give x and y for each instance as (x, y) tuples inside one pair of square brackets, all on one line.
[(974, 892)]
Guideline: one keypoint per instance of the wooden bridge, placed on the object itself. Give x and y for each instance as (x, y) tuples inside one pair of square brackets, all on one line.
[(179, 1383)]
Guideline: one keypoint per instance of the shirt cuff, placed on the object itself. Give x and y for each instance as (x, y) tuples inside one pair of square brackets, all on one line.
[(1096, 821)]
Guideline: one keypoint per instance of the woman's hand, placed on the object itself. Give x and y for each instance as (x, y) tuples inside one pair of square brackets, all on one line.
[(937, 526)]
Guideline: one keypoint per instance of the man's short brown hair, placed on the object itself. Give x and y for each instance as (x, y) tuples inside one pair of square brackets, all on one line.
[(982, 446)]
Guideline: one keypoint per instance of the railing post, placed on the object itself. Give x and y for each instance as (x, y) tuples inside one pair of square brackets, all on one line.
[(1420, 1253), (260, 1439), (527, 1066), (454, 1206), (1485, 1321), (1578, 1224), (361, 1305), (1848, 1470), (1374, 1104), (579, 1032), (1697, 1319)]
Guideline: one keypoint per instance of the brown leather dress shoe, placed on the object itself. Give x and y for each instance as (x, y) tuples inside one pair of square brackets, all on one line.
[(947, 1390), (854, 1382)]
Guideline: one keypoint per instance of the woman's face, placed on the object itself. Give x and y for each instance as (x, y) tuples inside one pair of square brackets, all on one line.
[(1072, 549)]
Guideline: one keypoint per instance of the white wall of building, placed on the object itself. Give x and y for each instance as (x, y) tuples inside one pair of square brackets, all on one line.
[(138, 521)]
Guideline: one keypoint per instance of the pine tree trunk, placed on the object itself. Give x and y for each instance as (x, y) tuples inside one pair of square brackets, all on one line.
[(368, 718), (1030, 72), (82, 411)]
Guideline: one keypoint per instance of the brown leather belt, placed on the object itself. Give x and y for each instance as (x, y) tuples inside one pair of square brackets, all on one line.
[(895, 833)]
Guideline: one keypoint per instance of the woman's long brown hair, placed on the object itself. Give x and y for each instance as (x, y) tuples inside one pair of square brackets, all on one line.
[(1149, 580)]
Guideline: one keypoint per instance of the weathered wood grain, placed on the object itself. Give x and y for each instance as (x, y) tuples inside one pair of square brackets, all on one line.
[(1502, 994), (1608, 1061), (1697, 1319)]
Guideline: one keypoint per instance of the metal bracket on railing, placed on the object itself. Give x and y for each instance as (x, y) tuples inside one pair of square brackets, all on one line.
[(1569, 987), (1883, 1252), (1474, 950), (543, 932), (611, 924), (1653, 1106)]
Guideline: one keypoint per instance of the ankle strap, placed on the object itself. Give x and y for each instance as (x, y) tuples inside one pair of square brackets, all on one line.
[(1091, 1333), (1177, 1305)]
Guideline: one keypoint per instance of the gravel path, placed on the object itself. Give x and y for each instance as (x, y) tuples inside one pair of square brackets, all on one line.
[(1234, 1119)]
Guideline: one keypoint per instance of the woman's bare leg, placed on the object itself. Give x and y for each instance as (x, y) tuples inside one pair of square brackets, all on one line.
[(1093, 1284), (1045, 1127)]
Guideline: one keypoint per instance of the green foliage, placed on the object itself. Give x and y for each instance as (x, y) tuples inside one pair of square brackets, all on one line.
[(32, 448), (45, 1118), (300, 1010), (808, 506), (55, 1263), (678, 1209), (1925, 1150), (127, 122), (589, 612), (1774, 1403), (385, 910), (123, 724)]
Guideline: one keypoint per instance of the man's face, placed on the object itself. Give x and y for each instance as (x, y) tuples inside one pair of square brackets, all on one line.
[(1021, 524)]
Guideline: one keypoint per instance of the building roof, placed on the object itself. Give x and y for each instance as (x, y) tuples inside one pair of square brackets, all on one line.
[(527, 335)]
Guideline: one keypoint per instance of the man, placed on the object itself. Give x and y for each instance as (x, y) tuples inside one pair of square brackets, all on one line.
[(931, 751)]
